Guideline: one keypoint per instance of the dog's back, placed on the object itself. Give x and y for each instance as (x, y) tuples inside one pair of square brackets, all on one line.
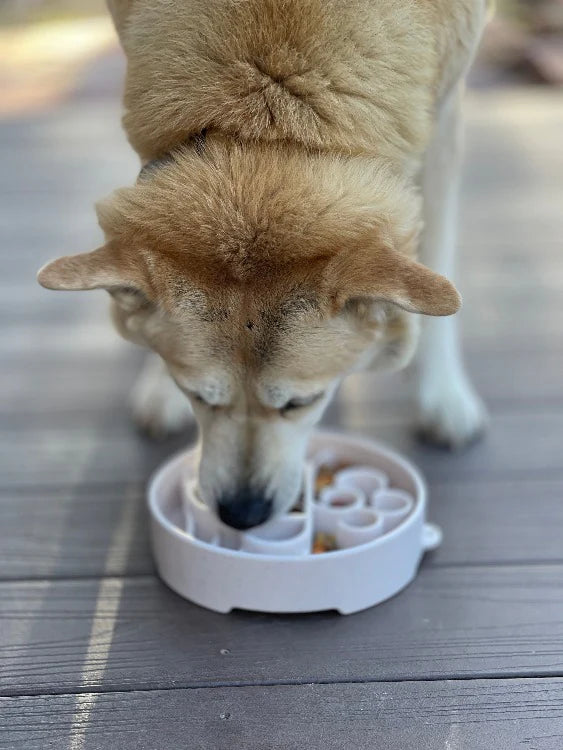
[(357, 77)]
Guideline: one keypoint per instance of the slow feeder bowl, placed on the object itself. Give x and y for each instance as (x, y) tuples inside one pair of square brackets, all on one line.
[(374, 508)]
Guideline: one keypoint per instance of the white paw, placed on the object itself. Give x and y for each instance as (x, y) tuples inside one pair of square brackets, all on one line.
[(159, 406), (452, 416)]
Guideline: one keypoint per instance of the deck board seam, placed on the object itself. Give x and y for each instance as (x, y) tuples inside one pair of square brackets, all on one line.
[(429, 565), (446, 677), (459, 478)]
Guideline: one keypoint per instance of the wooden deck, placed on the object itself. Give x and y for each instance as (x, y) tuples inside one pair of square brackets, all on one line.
[(97, 654)]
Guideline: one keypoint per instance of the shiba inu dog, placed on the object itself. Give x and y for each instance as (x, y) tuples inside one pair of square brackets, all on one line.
[(293, 220)]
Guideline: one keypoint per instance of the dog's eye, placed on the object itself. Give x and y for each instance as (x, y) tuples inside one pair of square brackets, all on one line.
[(301, 403), (203, 401)]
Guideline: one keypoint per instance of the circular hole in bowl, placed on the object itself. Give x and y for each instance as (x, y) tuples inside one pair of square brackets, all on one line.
[(299, 506), (363, 478), (325, 473), (342, 500), (323, 477), (335, 499), (360, 519), (392, 502), (280, 531)]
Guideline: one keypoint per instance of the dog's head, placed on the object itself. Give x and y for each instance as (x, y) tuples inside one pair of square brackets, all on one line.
[(262, 277)]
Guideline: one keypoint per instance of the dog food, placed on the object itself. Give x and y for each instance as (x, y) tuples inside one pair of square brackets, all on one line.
[(324, 543), (325, 475), (342, 502)]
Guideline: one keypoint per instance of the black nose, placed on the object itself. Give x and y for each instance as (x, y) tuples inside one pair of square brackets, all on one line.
[(244, 509)]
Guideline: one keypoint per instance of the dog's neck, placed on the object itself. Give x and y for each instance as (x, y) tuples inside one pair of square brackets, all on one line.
[(197, 141)]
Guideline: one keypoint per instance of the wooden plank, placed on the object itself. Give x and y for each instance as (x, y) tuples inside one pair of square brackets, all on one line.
[(469, 715), (87, 337), (42, 312), (508, 380), (514, 215), (73, 533), (492, 320), (498, 522), (120, 634), (101, 449), (97, 381), (69, 384), (518, 445), (91, 450)]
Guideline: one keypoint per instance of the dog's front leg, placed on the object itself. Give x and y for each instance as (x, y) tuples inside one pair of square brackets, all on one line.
[(159, 406), (450, 412)]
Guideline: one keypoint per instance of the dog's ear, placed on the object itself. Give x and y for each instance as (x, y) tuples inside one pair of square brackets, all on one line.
[(390, 276), (99, 269)]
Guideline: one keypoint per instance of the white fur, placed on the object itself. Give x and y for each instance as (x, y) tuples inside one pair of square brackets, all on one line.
[(159, 406), (450, 412)]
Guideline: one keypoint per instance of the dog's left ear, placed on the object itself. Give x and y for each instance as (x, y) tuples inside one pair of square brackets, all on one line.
[(99, 269), (387, 275)]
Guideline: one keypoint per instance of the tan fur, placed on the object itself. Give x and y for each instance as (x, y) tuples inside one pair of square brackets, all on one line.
[(281, 256), (356, 77)]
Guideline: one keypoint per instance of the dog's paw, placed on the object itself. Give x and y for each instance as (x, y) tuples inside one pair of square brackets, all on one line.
[(453, 417), (159, 407)]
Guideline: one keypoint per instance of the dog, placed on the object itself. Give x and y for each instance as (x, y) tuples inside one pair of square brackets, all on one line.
[(298, 156)]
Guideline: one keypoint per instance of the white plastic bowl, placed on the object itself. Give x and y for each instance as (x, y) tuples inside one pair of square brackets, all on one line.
[(271, 568)]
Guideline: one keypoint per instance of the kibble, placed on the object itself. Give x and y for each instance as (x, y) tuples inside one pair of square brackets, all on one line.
[(326, 473), (324, 543)]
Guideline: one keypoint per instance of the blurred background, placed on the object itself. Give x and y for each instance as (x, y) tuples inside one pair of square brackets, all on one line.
[(73, 531)]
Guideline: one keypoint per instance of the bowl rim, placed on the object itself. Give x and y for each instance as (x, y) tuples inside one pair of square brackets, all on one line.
[(162, 477)]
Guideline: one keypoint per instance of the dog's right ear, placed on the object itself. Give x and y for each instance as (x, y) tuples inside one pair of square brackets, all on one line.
[(380, 273), (100, 269)]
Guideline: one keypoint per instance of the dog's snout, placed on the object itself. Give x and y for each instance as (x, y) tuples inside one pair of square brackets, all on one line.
[(245, 508)]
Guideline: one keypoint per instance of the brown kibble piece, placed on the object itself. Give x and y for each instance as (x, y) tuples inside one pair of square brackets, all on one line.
[(324, 543), (341, 502), (325, 475), (324, 478)]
